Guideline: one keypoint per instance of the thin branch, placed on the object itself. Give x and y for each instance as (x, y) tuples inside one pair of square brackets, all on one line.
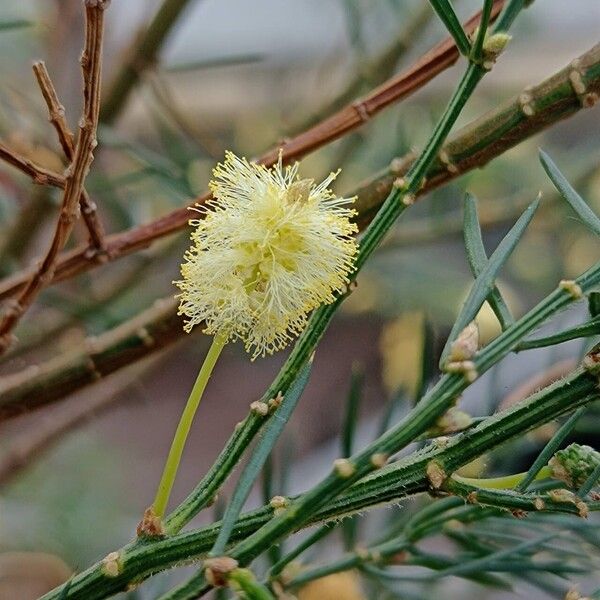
[(404, 478), (153, 329), (56, 111), (56, 114), (513, 499), (375, 71), (446, 13), (28, 446), (438, 59), (38, 174), (91, 64), (557, 99)]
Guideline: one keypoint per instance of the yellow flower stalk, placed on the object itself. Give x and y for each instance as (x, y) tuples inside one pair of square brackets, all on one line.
[(270, 248)]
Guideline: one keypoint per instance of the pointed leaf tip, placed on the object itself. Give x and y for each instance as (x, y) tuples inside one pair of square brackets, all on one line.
[(566, 190)]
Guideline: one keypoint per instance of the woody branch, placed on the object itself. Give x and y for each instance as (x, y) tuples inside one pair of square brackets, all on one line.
[(91, 63), (56, 115)]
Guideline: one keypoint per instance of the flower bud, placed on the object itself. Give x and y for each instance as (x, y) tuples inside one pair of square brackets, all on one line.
[(574, 464), (451, 421), (466, 344), (217, 570), (494, 45)]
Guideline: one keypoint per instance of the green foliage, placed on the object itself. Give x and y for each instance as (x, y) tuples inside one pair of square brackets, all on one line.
[(270, 435)]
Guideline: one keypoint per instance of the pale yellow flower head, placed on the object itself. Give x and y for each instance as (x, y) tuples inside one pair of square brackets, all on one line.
[(269, 249)]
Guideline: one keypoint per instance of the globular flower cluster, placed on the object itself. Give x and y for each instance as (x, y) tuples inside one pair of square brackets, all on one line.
[(270, 247)]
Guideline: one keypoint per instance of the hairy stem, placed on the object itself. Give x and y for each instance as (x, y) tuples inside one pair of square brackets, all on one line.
[(406, 477)]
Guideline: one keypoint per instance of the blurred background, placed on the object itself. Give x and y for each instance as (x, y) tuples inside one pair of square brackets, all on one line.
[(241, 75)]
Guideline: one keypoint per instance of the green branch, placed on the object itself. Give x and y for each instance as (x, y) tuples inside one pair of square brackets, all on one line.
[(401, 479), (435, 403), (446, 13), (585, 330)]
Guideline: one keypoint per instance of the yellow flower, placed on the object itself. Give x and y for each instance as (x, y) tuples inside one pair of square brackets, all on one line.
[(270, 248)]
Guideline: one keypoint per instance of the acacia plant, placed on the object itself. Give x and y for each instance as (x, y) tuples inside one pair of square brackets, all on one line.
[(273, 256)]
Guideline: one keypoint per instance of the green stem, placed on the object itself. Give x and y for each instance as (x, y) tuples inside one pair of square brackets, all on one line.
[(244, 581), (390, 211), (589, 483), (183, 429), (395, 203), (435, 403), (243, 436), (404, 478), (501, 483), (588, 329), (446, 13), (311, 540), (476, 53), (377, 553), (550, 448), (511, 500), (513, 8)]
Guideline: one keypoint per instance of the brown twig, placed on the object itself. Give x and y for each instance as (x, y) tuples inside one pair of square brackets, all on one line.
[(439, 58), (91, 64), (56, 114), (38, 174), (376, 70)]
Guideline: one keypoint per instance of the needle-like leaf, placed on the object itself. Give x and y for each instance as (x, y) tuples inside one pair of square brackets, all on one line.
[(550, 448), (262, 450), (584, 330), (446, 13), (477, 258), (485, 282), (577, 203)]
